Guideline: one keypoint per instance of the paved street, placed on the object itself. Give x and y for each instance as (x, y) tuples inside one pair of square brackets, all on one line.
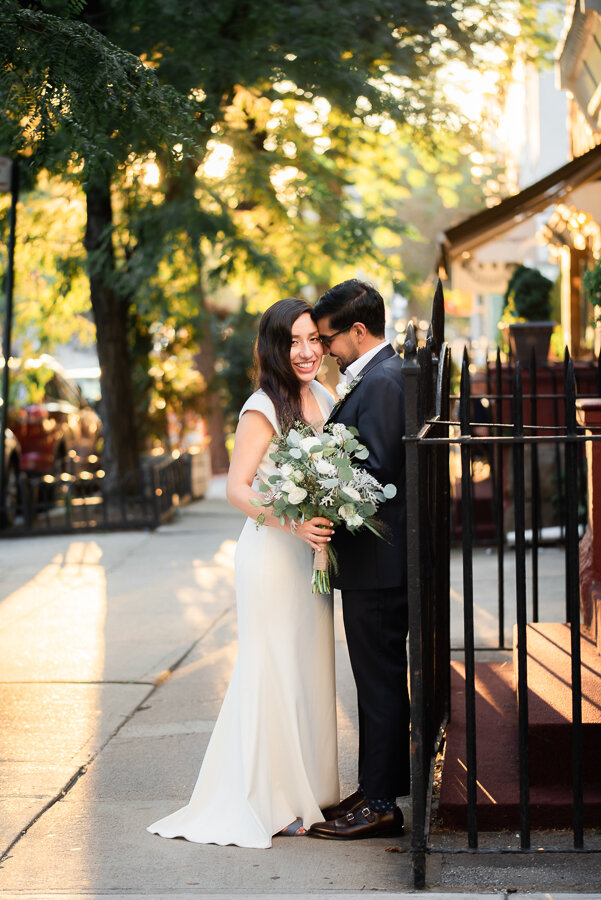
[(115, 652)]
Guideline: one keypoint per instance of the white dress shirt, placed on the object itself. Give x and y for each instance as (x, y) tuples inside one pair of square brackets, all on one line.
[(356, 367)]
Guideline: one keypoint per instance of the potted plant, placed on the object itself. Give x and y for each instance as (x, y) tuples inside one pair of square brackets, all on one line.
[(526, 317), (591, 282)]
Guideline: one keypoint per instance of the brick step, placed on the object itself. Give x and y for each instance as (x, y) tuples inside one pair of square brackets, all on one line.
[(550, 704), (498, 794)]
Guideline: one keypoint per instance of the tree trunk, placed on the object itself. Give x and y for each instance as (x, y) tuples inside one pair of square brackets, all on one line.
[(205, 362), (215, 419), (110, 315)]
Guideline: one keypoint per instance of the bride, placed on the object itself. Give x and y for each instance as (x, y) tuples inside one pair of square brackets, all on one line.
[(271, 765)]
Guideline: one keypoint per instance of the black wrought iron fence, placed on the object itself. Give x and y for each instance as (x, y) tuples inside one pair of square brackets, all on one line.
[(427, 390), (491, 399), (515, 439), (88, 501)]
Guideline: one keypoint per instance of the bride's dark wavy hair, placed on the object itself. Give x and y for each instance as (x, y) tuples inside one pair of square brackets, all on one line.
[(272, 353)]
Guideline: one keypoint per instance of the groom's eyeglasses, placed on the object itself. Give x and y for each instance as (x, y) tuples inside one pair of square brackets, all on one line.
[(326, 339)]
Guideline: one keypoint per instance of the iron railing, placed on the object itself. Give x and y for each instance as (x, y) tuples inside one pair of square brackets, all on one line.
[(427, 391), (90, 502), (430, 434)]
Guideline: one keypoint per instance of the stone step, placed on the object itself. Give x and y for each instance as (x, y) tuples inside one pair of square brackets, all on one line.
[(498, 792), (550, 704)]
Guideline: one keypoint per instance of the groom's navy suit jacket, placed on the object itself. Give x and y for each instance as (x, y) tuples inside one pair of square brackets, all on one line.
[(376, 408)]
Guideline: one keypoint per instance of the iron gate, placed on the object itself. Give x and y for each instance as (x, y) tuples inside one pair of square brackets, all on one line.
[(514, 447)]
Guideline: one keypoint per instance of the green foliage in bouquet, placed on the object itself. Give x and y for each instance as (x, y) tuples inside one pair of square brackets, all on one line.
[(318, 475)]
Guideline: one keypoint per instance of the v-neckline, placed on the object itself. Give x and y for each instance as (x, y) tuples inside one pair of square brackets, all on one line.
[(320, 408)]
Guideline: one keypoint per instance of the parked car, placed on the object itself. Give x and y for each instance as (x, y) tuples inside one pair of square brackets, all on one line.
[(57, 430), (12, 455), (87, 379)]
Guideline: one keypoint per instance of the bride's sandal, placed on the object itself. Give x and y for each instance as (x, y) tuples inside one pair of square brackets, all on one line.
[(295, 829)]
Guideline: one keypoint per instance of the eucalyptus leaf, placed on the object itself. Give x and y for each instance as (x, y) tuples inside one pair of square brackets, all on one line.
[(330, 482), (367, 509), (346, 475), (389, 491), (296, 453), (315, 446), (362, 453)]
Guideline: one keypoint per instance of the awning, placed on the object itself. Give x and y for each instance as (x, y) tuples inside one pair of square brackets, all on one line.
[(489, 224)]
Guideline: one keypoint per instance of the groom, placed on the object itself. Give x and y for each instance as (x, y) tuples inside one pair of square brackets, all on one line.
[(372, 570)]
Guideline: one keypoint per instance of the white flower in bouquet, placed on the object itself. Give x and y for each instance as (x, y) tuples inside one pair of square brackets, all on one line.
[(355, 521), (324, 467), (338, 431), (346, 512), (312, 446), (296, 495)]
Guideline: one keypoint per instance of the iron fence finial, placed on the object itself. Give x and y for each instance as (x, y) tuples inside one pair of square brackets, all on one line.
[(436, 331), (410, 346)]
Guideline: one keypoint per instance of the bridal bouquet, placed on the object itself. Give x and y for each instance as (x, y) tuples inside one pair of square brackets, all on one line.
[(318, 475)]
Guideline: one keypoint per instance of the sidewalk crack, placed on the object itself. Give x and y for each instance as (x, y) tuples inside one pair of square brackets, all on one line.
[(84, 768)]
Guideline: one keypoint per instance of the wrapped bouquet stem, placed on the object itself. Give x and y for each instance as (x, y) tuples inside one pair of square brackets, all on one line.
[(321, 572), (320, 475)]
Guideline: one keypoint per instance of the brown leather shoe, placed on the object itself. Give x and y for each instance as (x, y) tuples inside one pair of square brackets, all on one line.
[(360, 822), (341, 809)]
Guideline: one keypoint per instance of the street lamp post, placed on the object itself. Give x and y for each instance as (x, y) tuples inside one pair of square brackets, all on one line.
[(9, 181)]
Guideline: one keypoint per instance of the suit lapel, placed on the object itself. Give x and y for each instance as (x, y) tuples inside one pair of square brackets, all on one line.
[(385, 353)]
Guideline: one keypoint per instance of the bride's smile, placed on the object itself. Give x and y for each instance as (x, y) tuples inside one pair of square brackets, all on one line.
[(306, 350)]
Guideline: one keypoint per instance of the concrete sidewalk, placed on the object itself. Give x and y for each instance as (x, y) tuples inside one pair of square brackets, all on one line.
[(115, 653)]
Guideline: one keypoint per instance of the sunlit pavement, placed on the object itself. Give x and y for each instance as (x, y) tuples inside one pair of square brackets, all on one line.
[(98, 739), (115, 652)]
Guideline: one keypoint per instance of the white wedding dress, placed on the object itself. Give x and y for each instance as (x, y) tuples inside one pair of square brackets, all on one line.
[(272, 757)]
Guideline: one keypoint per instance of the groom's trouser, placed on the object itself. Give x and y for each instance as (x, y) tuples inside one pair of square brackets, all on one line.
[(376, 624)]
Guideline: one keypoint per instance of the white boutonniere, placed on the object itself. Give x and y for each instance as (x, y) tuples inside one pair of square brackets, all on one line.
[(343, 390)]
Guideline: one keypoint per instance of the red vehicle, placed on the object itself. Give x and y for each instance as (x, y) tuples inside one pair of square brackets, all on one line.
[(57, 430)]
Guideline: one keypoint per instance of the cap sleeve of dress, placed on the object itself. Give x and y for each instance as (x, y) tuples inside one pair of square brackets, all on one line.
[(260, 402)]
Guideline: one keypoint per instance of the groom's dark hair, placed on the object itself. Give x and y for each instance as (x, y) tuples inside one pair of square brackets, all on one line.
[(352, 301)]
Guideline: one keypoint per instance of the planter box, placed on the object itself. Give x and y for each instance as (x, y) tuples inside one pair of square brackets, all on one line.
[(523, 336)]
